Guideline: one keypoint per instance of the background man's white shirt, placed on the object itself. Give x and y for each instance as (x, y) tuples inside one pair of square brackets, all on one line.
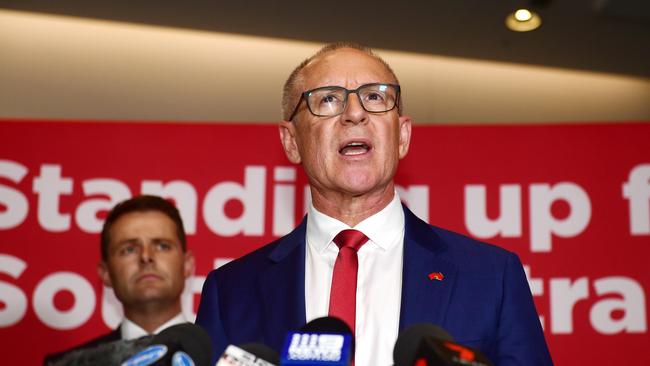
[(129, 330)]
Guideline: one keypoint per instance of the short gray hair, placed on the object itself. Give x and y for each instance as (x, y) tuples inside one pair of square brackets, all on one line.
[(289, 97)]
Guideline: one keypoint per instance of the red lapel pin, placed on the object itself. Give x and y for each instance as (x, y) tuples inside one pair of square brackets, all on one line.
[(438, 276)]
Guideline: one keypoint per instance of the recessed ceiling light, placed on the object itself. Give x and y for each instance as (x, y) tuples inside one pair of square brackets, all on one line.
[(523, 20)]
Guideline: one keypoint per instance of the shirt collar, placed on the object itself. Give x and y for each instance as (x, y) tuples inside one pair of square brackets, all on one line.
[(381, 228), (130, 330)]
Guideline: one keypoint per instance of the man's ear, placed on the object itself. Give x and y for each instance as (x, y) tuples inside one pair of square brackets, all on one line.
[(102, 271), (189, 264), (288, 139), (404, 135)]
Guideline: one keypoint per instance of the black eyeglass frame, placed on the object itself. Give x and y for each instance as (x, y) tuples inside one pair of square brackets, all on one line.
[(305, 94)]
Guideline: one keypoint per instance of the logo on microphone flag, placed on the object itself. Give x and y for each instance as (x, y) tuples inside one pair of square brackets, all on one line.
[(303, 349)]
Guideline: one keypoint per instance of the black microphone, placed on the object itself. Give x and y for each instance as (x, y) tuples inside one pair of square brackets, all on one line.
[(435, 352), (326, 324), (182, 344), (409, 340), (106, 354), (322, 341), (430, 345)]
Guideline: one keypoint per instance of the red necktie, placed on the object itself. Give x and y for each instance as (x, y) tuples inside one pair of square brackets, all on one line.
[(343, 294)]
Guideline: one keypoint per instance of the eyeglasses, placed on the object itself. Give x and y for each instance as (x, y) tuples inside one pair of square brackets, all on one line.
[(328, 101)]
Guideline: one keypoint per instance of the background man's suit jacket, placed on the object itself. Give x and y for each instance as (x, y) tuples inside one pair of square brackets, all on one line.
[(483, 301)]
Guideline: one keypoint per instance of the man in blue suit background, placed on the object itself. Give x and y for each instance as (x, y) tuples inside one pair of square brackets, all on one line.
[(359, 254)]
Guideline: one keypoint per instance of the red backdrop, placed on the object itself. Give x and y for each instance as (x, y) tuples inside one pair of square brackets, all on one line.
[(573, 201)]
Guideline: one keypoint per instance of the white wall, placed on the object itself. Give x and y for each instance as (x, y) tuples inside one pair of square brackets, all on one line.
[(71, 68)]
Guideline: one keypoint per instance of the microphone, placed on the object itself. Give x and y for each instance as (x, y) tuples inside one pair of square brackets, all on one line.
[(250, 354), (178, 345), (322, 341), (409, 340), (430, 345), (262, 351), (107, 354)]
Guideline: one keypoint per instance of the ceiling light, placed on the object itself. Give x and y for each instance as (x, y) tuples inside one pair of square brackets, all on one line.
[(523, 15), (523, 20)]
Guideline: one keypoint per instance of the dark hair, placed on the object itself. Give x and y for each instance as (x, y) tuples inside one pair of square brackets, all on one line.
[(289, 92), (141, 203)]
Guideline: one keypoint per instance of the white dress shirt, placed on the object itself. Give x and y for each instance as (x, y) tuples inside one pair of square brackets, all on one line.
[(129, 330), (379, 280)]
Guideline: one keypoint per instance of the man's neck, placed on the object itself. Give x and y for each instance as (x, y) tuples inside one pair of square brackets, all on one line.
[(151, 316), (352, 209)]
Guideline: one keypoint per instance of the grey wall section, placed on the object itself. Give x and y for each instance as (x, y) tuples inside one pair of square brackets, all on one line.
[(58, 67)]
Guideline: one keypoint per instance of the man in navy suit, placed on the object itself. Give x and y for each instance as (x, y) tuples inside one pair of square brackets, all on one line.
[(145, 260), (359, 254)]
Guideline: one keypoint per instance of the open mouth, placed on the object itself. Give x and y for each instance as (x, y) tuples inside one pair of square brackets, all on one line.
[(354, 148)]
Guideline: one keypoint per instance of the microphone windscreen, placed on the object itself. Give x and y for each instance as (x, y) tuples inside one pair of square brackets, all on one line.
[(326, 324), (435, 352), (107, 354), (408, 342), (191, 338), (262, 351)]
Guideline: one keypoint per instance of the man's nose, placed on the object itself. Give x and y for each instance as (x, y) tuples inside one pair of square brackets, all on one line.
[(147, 254), (354, 111)]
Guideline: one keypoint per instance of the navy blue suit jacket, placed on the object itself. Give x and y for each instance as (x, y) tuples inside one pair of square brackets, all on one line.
[(483, 301)]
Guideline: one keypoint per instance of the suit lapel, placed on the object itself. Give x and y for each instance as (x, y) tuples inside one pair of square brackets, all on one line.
[(424, 299), (282, 287)]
